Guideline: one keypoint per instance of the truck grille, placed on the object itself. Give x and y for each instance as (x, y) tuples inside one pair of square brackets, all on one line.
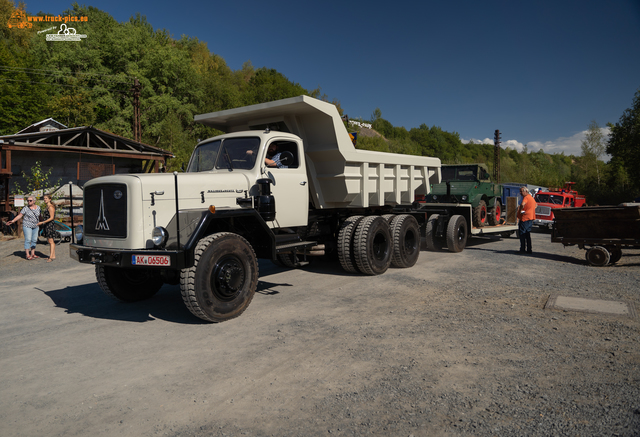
[(543, 210), (105, 210)]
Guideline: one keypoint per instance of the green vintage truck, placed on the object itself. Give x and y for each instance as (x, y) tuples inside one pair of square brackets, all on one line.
[(470, 184)]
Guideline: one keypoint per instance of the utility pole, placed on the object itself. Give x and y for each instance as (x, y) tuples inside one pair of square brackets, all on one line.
[(137, 131), (496, 157)]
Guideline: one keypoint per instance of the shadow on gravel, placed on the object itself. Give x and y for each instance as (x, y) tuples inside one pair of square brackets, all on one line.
[(539, 255), (90, 301), (23, 255), (266, 288), (317, 265)]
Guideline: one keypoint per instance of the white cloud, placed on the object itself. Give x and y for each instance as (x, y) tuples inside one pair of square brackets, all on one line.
[(569, 145)]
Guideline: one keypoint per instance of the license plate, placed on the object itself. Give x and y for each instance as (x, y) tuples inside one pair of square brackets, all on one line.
[(150, 260)]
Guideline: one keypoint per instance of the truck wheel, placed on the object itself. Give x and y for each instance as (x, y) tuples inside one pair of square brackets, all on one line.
[(223, 279), (372, 245), (388, 217), (494, 214), (405, 233), (615, 254), (433, 242), (346, 255), (598, 256), (128, 285), (480, 214), (457, 233)]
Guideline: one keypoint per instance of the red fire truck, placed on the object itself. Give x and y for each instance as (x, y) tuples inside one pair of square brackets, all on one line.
[(565, 197)]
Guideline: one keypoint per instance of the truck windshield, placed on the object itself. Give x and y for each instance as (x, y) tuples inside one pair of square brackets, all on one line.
[(231, 153), (466, 173), (549, 198)]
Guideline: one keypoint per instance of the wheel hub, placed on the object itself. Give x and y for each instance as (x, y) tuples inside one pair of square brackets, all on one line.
[(228, 278)]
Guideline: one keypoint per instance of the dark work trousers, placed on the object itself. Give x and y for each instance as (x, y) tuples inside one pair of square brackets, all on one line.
[(524, 228)]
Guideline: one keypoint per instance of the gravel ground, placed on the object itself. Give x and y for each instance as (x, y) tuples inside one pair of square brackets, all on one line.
[(458, 345)]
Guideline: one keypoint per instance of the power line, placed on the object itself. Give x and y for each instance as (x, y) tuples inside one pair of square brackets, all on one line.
[(46, 72), (59, 84)]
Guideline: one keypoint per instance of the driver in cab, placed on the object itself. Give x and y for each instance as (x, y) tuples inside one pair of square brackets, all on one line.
[(273, 157)]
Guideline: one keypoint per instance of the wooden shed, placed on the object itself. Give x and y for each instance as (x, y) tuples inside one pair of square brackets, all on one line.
[(73, 155)]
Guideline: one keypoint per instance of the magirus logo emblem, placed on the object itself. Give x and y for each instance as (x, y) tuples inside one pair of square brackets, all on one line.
[(101, 224)]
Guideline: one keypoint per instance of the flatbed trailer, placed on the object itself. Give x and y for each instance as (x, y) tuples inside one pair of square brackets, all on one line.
[(603, 231), (450, 225)]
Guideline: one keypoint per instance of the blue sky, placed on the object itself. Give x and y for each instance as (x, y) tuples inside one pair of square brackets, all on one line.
[(539, 71)]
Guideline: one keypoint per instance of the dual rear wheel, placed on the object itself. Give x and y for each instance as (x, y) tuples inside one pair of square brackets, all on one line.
[(371, 244)]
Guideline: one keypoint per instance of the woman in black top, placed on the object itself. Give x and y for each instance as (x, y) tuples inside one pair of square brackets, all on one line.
[(49, 230)]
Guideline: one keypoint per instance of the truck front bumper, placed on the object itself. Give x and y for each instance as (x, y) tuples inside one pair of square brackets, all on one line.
[(156, 259), (545, 223)]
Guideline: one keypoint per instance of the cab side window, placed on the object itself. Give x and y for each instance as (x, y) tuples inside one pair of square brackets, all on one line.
[(288, 151)]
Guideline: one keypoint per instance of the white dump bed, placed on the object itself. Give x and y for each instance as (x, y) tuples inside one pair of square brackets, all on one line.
[(339, 174)]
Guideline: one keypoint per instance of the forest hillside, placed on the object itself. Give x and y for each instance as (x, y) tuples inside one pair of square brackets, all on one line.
[(91, 83)]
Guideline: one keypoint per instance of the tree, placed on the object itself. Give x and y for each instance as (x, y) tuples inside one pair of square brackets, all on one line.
[(624, 142), (37, 179), (593, 147)]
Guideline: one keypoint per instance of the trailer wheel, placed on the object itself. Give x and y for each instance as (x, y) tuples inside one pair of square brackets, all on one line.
[(598, 256), (223, 279), (494, 214), (457, 233), (480, 214), (615, 254), (346, 255), (372, 245), (433, 242), (388, 217), (128, 285), (405, 233)]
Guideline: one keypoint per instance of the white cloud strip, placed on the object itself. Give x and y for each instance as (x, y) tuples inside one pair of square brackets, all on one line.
[(569, 145)]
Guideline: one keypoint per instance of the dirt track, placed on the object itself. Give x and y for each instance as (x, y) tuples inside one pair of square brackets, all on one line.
[(459, 344)]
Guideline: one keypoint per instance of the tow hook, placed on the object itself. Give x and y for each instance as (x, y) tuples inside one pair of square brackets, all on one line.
[(96, 257)]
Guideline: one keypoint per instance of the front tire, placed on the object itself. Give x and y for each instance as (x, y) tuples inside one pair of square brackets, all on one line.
[(128, 285), (598, 256), (223, 279), (405, 234), (480, 214)]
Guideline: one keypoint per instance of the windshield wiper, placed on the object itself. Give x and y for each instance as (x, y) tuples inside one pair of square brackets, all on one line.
[(226, 154)]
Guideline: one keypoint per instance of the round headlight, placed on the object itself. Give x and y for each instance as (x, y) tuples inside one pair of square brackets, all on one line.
[(78, 231), (159, 236), (464, 198), (435, 197)]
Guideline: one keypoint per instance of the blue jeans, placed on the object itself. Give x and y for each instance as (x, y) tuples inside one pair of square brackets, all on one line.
[(30, 237), (524, 228)]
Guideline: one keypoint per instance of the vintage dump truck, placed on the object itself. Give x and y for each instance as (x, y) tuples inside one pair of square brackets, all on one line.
[(284, 183), (470, 184), (554, 198), (602, 230)]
